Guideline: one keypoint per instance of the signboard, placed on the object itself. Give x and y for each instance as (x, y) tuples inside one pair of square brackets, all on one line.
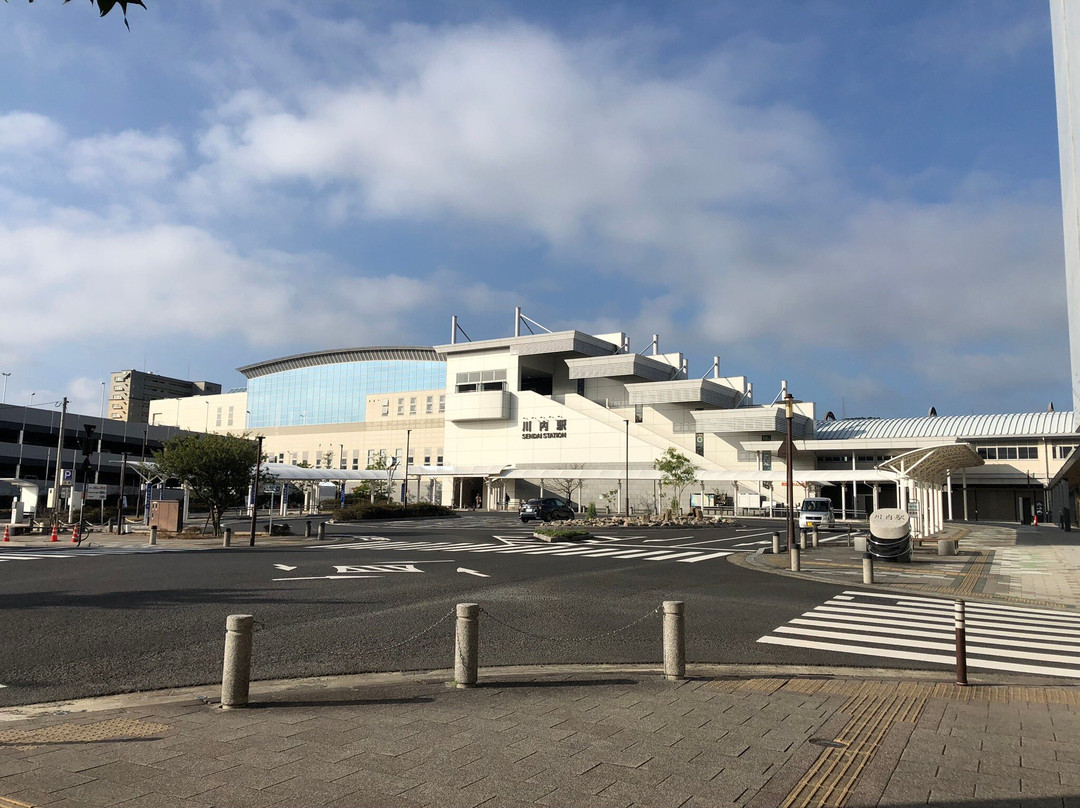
[(543, 428), (66, 475), (913, 506), (95, 491)]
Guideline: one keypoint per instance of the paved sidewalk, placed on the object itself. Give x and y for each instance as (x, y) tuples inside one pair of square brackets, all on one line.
[(991, 564), (596, 737)]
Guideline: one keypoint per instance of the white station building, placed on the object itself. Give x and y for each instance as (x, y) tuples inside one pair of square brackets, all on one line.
[(582, 416)]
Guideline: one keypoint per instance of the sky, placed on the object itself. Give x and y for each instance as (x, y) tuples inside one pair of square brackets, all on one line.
[(862, 199)]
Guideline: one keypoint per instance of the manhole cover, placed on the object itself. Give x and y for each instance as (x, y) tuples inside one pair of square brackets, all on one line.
[(828, 744)]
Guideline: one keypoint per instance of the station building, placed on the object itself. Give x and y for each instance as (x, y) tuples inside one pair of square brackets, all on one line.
[(493, 422)]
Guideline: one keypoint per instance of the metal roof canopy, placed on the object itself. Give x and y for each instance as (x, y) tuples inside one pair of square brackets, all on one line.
[(1010, 425), (818, 476), (290, 473), (932, 464)]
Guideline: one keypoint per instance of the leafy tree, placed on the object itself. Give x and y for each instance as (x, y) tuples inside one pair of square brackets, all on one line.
[(677, 473), (373, 490), (105, 6), (217, 468)]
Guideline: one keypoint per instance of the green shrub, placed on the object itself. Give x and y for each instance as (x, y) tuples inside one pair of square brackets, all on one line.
[(390, 510), (590, 512)]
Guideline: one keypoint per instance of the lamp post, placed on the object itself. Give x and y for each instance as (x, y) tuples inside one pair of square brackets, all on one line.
[(626, 482), (4, 400), (789, 409), (405, 490), (255, 490)]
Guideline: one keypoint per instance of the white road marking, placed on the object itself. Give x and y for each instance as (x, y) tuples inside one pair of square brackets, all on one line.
[(473, 572), (704, 558), (326, 577), (284, 567), (381, 568)]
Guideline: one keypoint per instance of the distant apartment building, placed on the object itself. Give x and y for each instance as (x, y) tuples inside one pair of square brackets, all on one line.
[(131, 391)]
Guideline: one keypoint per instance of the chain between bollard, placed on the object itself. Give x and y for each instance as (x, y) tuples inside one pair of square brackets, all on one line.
[(569, 640), (367, 652)]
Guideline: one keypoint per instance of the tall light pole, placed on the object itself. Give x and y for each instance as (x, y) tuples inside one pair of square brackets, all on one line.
[(255, 490), (405, 490), (103, 402), (626, 482), (789, 408), (4, 400)]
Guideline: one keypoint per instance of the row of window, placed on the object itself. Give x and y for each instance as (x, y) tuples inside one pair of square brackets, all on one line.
[(1009, 452), (476, 380), (429, 405)]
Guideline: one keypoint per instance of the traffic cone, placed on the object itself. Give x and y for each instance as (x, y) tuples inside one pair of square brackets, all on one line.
[(54, 536), (7, 534), (75, 534)]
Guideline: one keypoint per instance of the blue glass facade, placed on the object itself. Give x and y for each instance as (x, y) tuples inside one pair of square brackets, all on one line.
[(334, 394)]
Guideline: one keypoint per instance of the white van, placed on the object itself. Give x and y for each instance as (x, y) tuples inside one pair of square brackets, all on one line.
[(816, 512)]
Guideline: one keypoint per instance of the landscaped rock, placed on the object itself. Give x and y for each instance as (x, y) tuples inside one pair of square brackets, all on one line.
[(665, 520)]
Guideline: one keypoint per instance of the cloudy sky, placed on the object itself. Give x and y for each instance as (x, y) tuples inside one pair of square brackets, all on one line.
[(861, 198)]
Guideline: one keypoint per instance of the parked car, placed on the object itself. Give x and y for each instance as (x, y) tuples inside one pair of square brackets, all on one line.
[(545, 509), (816, 512)]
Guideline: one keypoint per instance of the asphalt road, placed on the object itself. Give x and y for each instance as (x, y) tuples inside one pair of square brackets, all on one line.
[(378, 596)]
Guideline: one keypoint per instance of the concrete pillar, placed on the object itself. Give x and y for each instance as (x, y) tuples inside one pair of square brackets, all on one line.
[(466, 644), (674, 641), (877, 490), (948, 493), (946, 547), (814, 537), (776, 543), (843, 501), (226, 537), (796, 565), (802, 539), (322, 531), (963, 479), (153, 534), (867, 569), (307, 529), (236, 673)]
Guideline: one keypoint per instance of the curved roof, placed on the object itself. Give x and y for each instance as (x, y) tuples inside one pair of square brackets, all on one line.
[(416, 353), (948, 426)]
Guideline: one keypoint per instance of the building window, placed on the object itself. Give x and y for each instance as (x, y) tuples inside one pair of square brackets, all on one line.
[(412, 458), (442, 403), (304, 458), (292, 458), (438, 457), (412, 405), (231, 416), (1009, 452), (429, 405), (1061, 452), (427, 457), (699, 443), (370, 457), (581, 387), (639, 413), (217, 417), (476, 380), (401, 406), (766, 461), (385, 407)]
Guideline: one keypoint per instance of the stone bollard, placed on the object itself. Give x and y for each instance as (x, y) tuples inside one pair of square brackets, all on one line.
[(867, 569), (226, 537), (466, 644), (236, 673), (776, 543), (961, 642), (814, 537), (674, 641), (111, 523), (795, 565), (802, 539), (946, 547), (322, 530), (307, 529), (153, 534)]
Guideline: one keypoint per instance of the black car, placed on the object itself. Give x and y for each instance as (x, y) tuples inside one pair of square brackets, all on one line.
[(546, 509)]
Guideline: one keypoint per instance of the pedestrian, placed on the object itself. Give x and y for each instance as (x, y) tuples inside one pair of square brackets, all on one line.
[(506, 502), (1066, 517), (478, 502)]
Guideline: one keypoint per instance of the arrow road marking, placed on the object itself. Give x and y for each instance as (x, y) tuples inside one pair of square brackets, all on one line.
[(326, 577), (284, 567), (473, 572), (378, 568)]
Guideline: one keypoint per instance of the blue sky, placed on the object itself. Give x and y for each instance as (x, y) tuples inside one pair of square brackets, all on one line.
[(860, 198)]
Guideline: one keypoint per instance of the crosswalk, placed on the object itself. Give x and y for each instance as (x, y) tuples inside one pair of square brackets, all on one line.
[(920, 629), (84, 552), (532, 548)]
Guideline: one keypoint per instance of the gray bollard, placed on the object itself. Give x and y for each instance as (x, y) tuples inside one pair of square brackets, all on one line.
[(307, 529), (946, 547), (814, 537), (466, 644), (961, 642), (795, 565), (776, 543), (867, 568), (226, 539), (322, 530), (111, 523), (153, 534), (802, 539), (236, 673), (674, 641)]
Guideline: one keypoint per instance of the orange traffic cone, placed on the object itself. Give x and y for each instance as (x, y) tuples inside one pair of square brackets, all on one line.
[(75, 534), (54, 536), (7, 534)]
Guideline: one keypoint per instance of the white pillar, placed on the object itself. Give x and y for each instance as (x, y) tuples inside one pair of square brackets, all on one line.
[(963, 479), (843, 501), (877, 490), (948, 493)]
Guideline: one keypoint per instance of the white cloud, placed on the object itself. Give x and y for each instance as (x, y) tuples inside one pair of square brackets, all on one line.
[(127, 158), (22, 132)]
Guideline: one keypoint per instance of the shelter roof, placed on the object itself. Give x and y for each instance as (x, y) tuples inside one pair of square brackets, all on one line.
[(949, 426)]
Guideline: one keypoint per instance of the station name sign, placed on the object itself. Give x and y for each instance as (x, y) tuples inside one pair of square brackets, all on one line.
[(535, 428)]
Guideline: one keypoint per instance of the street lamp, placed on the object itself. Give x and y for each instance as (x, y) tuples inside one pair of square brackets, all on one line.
[(4, 400), (405, 490), (255, 490), (789, 409), (626, 491)]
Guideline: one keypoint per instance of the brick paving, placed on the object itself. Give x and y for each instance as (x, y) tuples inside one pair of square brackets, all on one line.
[(594, 738)]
